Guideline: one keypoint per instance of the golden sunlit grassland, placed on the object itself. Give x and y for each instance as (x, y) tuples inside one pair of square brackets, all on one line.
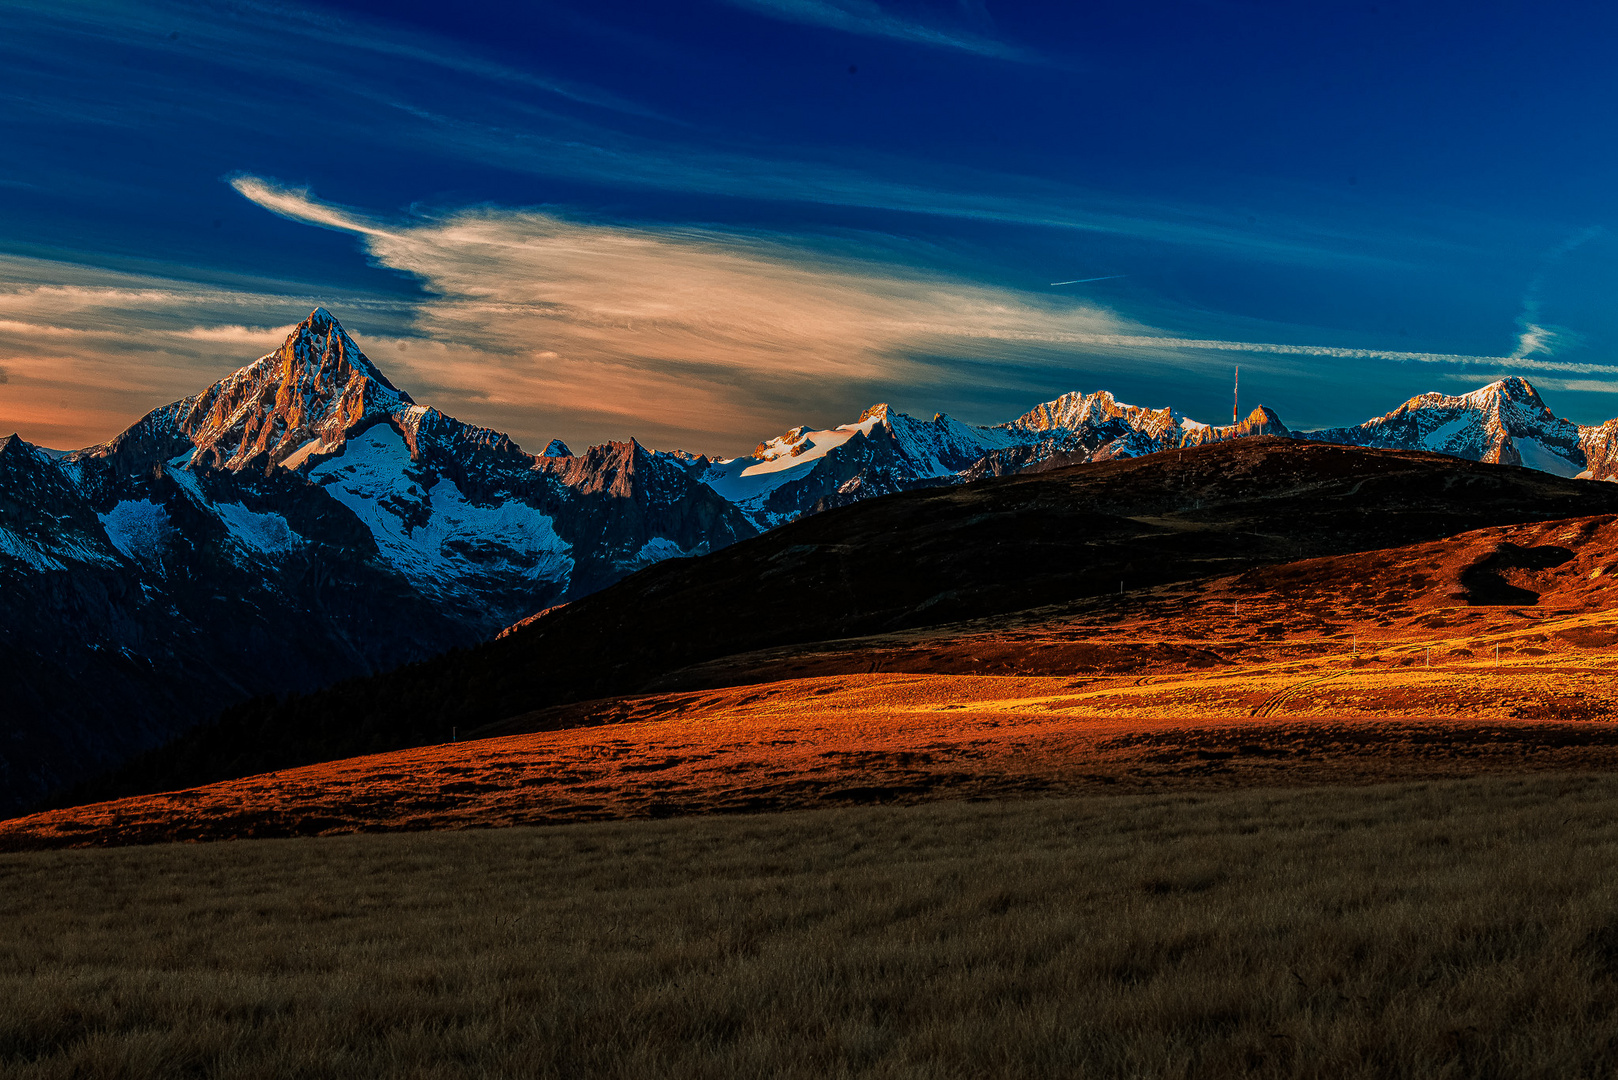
[(1446, 929), (1150, 703), (1358, 668)]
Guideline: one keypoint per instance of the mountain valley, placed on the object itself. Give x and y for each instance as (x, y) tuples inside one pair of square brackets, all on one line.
[(303, 522)]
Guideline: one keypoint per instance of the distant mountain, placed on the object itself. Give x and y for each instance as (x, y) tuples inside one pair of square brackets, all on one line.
[(1505, 423), (297, 522), (885, 450)]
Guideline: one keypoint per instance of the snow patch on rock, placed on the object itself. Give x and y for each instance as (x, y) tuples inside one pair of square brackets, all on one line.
[(655, 550), (18, 548), (266, 534), (436, 535), (1535, 455), (140, 530)]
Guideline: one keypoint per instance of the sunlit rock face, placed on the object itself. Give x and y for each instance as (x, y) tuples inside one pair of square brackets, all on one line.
[(301, 399)]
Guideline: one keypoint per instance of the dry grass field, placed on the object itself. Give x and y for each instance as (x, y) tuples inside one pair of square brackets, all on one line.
[(1442, 929), (895, 739)]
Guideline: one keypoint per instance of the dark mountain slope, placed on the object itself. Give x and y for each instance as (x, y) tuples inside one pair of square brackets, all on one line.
[(913, 559), (298, 522)]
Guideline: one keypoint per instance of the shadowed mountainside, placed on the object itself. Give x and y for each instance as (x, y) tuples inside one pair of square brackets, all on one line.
[(1381, 665), (911, 560), (298, 522)]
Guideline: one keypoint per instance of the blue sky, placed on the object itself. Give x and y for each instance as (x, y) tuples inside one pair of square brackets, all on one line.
[(700, 223)]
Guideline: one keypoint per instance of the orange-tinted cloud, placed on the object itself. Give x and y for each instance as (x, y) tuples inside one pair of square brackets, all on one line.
[(543, 326), (695, 336), (88, 352)]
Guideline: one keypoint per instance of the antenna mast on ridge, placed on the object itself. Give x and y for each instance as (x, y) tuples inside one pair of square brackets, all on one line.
[(1235, 395)]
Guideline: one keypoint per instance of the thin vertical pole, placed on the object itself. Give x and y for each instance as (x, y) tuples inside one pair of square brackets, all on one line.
[(1235, 397)]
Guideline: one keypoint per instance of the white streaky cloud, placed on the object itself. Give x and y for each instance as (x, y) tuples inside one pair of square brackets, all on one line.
[(1534, 338), (266, 336), (870, 20), (703, 338), (1143, 341), (305, 35), (296, 203)]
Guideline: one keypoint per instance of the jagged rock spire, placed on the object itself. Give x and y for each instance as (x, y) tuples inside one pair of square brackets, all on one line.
[(312, 391)]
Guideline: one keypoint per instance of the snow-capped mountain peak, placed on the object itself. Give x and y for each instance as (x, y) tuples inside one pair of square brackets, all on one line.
[(301, 401), (1505, 422), (799, 446)]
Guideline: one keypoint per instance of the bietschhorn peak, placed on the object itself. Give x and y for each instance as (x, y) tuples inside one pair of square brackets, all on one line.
[(321, 335)]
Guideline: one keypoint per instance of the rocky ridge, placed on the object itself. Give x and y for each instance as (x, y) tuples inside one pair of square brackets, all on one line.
[(803, 470)]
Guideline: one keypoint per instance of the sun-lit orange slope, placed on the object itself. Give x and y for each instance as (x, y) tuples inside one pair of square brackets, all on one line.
[(1311, 672), (1387, 605)]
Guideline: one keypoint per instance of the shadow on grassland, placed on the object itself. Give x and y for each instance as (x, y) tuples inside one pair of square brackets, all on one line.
[(1465, 928)]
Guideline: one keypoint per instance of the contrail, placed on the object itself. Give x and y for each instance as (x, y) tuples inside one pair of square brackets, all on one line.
[(1082, 280)]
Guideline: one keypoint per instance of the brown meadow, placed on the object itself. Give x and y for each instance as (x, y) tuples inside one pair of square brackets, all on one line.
[(1228, 685), (1458, 928)]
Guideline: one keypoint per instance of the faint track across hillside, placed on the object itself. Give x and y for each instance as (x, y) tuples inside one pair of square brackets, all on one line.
[(1281, 697)]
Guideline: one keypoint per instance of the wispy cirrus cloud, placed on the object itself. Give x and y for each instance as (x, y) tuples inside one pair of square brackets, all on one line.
[(234, 35), (703, 338), (685, 335), (872, 20), (542, 326)]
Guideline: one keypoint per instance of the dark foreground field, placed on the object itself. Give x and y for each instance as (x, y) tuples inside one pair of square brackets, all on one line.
[(1461, 928)]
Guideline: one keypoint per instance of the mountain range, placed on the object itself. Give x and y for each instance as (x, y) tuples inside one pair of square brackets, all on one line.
[(977, 579), (1505, 423), (303, 520)]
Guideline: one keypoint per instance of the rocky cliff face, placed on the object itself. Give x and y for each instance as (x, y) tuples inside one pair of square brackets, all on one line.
[(1600, 446)]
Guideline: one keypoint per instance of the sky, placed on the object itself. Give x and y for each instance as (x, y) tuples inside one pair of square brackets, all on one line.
[(701, 223)]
